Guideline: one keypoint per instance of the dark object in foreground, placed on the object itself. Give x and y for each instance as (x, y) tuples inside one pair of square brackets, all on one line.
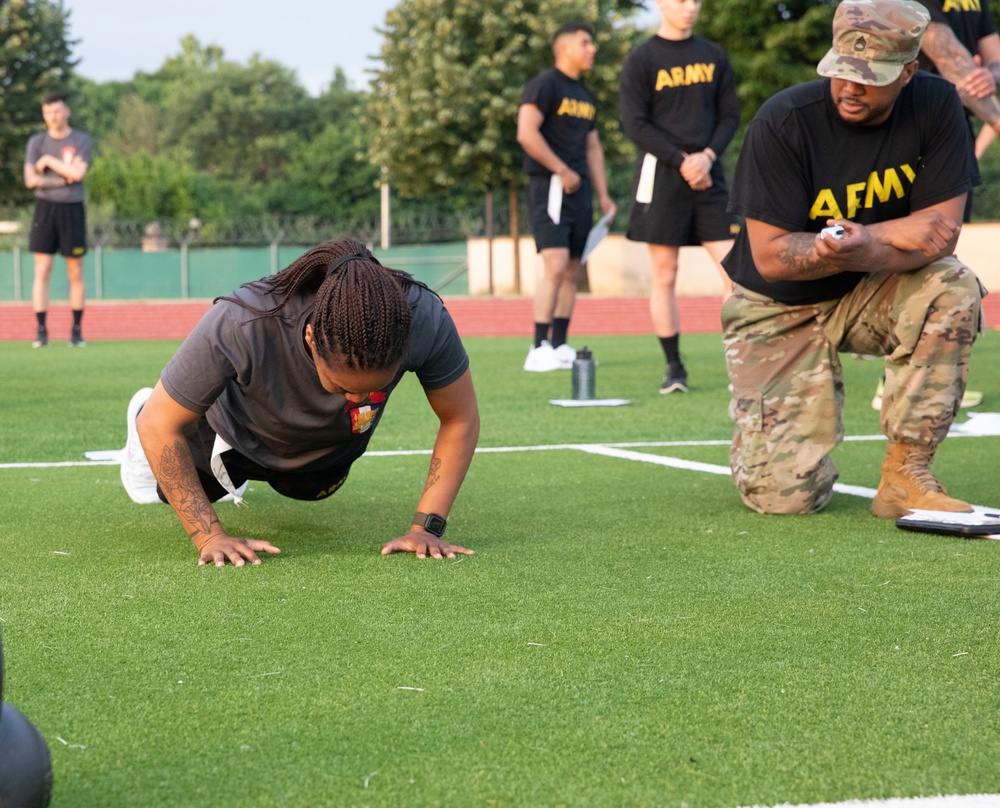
[(25, 765), (973, 526)]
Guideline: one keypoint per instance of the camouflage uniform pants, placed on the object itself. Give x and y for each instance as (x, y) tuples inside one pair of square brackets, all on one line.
[(788, 387)]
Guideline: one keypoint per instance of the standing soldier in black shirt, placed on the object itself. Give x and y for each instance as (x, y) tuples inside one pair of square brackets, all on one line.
[(679, 105), (556, 126), (962, 45)]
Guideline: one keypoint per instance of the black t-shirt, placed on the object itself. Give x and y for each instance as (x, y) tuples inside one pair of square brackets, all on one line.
[(569, 114), (970, 22), (801, 164), (678, 97), (255, 378)]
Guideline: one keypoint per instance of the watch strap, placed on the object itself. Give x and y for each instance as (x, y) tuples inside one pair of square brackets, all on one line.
[(431, 522)]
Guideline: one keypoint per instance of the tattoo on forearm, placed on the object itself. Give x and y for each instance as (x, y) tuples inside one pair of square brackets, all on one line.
[(955, 63), (432, 475), (179, 481), (798, 256)]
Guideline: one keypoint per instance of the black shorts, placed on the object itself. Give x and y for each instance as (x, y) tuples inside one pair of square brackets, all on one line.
[(314, 482), (575, 219), (58, 227), (679, 216)]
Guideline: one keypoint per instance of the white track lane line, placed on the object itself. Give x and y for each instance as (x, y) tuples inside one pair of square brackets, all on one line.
[(942, 801)]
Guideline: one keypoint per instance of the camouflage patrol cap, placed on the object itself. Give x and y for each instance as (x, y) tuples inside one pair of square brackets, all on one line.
[(873, 40)]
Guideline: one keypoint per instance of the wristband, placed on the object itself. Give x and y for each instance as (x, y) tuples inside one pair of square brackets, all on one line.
[(430, 522)]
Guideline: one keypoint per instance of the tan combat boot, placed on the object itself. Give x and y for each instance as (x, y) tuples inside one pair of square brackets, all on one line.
[(907, 483)]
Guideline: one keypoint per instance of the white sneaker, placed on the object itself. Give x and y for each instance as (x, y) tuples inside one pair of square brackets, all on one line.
[(137, 476), (542, 359), (566, 356)]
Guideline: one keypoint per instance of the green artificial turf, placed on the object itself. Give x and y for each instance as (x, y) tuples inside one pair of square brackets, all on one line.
[(626, 634)]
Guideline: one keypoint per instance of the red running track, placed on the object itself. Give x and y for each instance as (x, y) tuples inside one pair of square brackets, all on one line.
[(475, 317)]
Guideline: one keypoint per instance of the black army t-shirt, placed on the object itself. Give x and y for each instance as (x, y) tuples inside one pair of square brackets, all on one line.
[(802, 164), (677, 97), (971, 21), (569, 114)]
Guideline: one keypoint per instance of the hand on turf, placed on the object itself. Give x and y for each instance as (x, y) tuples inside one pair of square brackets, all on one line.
[(221, 548), (423, 544)]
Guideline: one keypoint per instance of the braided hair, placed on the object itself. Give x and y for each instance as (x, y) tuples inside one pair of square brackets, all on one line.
[(361, 318)]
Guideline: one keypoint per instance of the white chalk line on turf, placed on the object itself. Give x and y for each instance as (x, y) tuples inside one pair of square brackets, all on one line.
[(941, 801), (620, 450)]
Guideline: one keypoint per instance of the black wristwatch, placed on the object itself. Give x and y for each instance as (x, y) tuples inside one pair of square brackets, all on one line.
[(431, 522)]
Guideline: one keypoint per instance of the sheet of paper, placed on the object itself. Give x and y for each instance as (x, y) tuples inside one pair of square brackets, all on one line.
[(979, 423), (644, 191), (597, 232), (593, 402), (555, 199), (106, 455)]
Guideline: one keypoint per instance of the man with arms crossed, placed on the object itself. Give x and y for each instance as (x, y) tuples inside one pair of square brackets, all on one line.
[(679, 105), (556, 126), (962, 45), (882, 151), (55, 163)]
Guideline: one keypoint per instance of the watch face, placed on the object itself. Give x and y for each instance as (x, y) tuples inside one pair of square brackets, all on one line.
[(435, 524)]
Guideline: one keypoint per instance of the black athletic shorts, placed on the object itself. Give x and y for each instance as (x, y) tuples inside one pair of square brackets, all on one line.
[(679, 216), (575, 219), (58, 227), (314, 482)]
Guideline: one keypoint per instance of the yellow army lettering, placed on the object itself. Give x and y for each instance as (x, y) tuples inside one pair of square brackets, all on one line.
[(698, 73), (862, 194), (332, 488), (577, 109), (962, 5)]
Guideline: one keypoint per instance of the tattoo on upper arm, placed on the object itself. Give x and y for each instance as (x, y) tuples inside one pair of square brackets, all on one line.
[(433, 475), (798, 256), (179, 481)]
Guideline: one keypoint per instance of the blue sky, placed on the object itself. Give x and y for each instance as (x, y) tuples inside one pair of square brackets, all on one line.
[(119, 37)]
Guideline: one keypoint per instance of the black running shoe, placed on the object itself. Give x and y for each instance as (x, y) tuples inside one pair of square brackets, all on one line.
[(675, 380), (42, 339), (76, 338)]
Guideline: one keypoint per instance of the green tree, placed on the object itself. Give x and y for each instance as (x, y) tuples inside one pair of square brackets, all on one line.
[(237, 122), (35, 59), (327, 175), (445, 101), (772, 44)]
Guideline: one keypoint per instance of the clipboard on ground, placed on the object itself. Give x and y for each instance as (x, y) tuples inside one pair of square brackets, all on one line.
[(596, 234), (976, 525)]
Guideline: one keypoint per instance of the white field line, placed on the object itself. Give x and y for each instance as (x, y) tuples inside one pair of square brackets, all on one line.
[(941, 801), (619, 450), (107, 458)]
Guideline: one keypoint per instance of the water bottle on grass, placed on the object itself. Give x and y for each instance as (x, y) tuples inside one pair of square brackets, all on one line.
[(583, 375)]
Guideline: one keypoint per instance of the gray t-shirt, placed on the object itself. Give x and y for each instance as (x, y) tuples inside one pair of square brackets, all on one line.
[(256, 380), (66, 149)]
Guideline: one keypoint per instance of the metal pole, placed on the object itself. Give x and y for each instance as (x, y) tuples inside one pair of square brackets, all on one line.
[(184, 267), (275, 241), (386, 217), (489, 234), (17, 272), (99, 271)]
